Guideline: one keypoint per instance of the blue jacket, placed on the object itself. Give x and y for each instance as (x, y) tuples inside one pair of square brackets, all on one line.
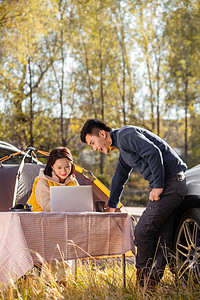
[(145, 152)]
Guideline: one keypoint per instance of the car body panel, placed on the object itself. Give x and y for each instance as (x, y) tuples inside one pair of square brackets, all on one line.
[(193, 181)]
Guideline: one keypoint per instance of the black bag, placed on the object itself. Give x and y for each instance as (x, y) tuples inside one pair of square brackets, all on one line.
[(21, 207)]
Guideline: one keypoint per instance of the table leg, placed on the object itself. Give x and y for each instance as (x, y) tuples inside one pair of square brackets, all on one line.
[(75, 270), (124, 269)]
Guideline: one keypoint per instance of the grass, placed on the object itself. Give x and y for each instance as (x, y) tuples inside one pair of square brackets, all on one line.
[(95, 280)]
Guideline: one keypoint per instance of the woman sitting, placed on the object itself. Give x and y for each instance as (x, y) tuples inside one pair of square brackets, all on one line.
[(59, 171)]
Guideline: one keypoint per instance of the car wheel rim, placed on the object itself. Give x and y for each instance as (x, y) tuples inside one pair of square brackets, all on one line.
[(188, 249)]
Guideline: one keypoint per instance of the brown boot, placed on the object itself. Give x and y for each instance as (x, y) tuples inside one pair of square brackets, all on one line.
[(144, 281)]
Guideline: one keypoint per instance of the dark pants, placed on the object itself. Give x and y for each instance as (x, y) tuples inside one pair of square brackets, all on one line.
[(154, 231)]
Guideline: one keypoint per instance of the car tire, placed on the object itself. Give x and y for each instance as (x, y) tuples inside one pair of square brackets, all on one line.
[(187, 245)]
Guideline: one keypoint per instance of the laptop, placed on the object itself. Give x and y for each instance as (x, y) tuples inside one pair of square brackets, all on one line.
[(71, 198)]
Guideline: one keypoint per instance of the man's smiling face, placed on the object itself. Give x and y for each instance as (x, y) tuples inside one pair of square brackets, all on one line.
[(99, 142)]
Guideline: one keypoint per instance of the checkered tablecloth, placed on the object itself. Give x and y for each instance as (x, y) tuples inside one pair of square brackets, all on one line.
[(15, 258), (24, 235)]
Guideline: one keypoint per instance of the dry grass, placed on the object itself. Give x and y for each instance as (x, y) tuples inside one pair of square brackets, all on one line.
[(95, 280)]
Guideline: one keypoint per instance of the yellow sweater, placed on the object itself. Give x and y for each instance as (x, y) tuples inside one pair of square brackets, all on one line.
[(40, 196)]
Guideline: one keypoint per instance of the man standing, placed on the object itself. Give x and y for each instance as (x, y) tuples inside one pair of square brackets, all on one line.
[(143, 151)]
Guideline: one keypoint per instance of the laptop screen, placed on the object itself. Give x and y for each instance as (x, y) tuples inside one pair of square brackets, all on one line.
[(71, 198)]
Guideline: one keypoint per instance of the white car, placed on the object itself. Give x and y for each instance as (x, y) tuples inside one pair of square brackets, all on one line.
[(186, 246)]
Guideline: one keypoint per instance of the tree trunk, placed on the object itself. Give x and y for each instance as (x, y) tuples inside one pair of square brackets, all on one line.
[(89, 81), (31, 140), (124, 78), (186, 121), (61, 91), (151, 94), (158, 96), (102, 96)]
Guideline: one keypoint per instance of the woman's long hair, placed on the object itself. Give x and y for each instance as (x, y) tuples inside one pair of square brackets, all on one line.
[(57, 153)]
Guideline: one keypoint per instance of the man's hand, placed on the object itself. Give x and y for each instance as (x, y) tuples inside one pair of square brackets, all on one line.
[(154, 195), (109, 209)]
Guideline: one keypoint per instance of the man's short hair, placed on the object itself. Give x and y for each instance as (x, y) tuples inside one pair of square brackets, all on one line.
[(92, 127)]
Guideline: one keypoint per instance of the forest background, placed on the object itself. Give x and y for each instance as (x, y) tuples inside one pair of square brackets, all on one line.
[(123, 61)]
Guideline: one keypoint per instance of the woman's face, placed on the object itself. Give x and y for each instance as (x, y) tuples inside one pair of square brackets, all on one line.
[(62, 168)]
